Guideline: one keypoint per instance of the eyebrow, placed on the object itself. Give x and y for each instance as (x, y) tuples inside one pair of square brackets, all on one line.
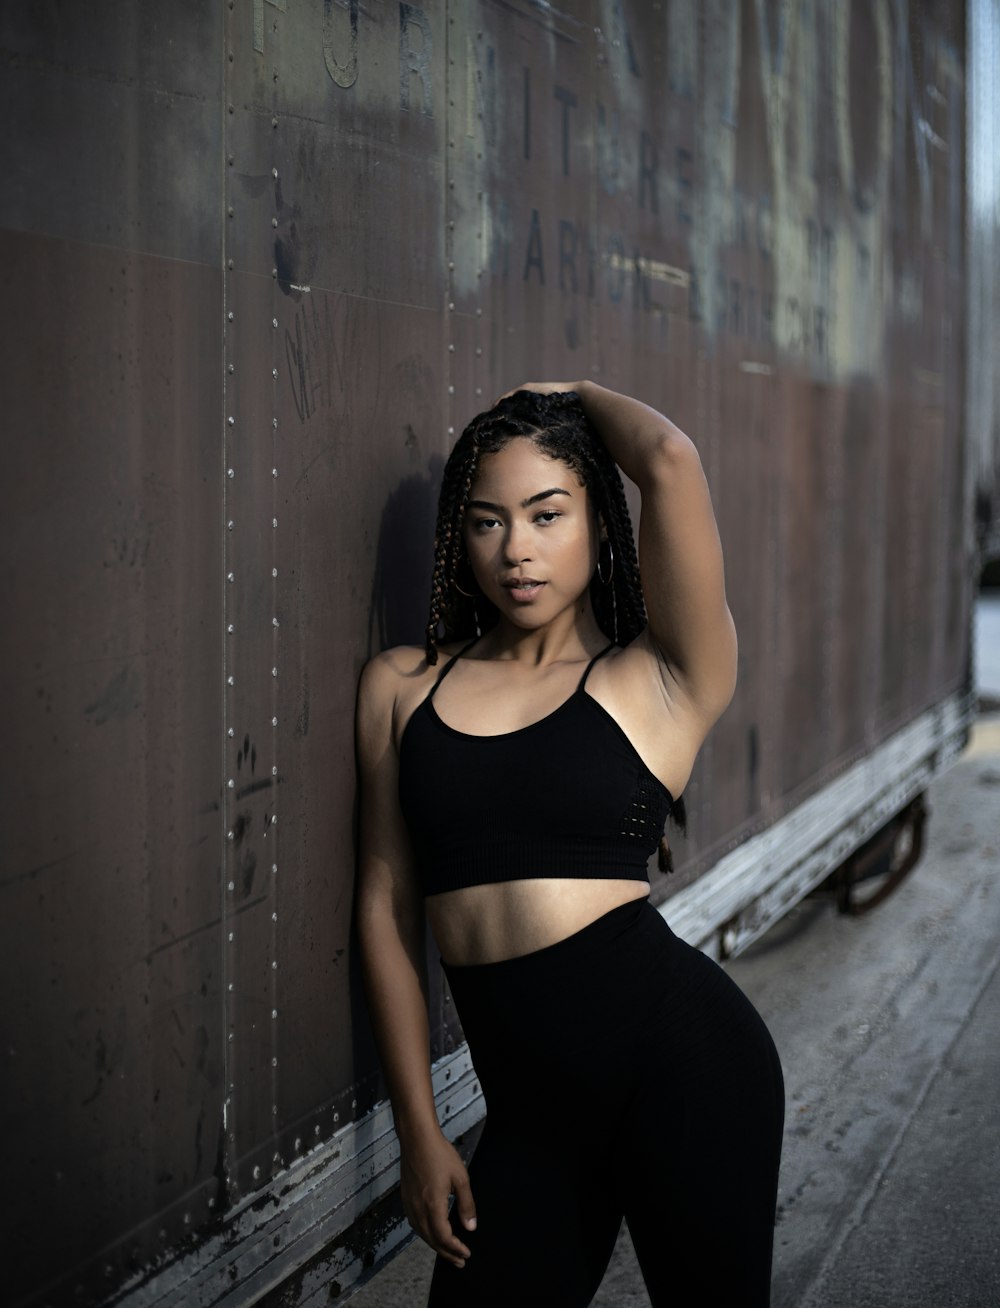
[(525, 504)]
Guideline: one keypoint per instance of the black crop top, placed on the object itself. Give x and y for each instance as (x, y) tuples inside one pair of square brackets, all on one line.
[(566, 796)]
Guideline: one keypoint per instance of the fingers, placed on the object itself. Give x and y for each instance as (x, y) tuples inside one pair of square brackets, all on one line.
[(443, 1239), (464, 1203), (543, 388)]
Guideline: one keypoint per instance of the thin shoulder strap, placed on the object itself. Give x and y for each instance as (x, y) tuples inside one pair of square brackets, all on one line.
[(449, 665), (583, 679)]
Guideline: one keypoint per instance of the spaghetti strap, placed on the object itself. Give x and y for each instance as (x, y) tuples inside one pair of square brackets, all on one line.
[(583, 679), (449, 665)]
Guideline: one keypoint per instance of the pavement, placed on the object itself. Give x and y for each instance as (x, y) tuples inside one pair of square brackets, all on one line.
[(888, 1027)]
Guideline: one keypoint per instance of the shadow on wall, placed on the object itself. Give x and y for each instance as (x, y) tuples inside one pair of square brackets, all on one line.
[(404, 561)]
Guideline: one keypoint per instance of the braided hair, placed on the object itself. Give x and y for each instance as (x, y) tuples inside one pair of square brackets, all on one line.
[(558, 425)]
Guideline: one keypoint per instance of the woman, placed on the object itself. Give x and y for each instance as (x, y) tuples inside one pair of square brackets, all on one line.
[(515, 795)]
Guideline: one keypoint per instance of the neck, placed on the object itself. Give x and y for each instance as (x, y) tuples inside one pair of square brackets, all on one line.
[(569, 637)]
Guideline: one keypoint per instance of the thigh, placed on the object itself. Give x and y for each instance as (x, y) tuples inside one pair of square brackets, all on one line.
[(703, 1149), (547, 1221)]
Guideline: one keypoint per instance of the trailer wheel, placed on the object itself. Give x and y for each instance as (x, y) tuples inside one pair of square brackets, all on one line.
[(884, 860)]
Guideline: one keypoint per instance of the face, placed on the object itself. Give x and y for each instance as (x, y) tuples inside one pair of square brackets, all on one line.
[(531, 533)]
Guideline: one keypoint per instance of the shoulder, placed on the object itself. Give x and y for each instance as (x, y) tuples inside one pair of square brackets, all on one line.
[(391, 685)]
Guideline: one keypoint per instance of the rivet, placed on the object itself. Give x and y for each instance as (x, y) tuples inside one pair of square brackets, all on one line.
[(336, 1118), (274, 372), (274, 770), (354, 1103), (274, 723), (231, 784), (229, 264), (231, 987), (230, 524), (232, 885), (274, 917), (274, 322), (274, 121), (451, 349), (274, 222), (274, 172), (230, 1037), (232, 368), (451, 185), (298, 1143), (274, 1109), (231, 732), (451, 306), (274, 965), (256, 1173), (451, 431), (211, 1201), (274, 1012), (274, 422), (231, 628), (274, 672), (231, 420), (230, 576), (479, 390), (230, 211), (230, 157), (274, 622), (230, 107), (230, 472), (232, 935), (451, 263), (230, 315), (479, 350), (274, 867), (274, 522), (274, 1062), (274, 571), (274, 272), (451, 390), (274, 819), (231, 680), (451, 225)]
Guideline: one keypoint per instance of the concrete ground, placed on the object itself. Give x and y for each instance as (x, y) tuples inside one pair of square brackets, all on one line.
[(888, 1026)]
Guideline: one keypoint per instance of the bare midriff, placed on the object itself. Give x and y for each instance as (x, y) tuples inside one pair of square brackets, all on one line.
[(489, 923)]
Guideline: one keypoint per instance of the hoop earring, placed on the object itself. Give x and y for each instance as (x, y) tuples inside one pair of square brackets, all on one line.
[(468, 594), (611, 570)]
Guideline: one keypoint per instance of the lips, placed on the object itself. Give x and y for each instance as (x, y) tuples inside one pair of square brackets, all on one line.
[(523, 589)]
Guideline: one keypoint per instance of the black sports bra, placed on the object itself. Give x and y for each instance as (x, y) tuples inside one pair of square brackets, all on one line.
[(566, 796)]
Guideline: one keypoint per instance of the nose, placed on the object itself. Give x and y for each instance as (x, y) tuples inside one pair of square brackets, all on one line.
[(517, 546)]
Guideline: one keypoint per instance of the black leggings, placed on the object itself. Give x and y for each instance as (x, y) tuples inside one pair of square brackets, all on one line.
[(625, 1075)]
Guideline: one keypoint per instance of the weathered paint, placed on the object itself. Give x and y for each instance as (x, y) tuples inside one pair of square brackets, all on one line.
[(263, 262)]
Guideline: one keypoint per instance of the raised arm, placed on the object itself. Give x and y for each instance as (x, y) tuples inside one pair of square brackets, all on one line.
[(391, 937), (680, 552)]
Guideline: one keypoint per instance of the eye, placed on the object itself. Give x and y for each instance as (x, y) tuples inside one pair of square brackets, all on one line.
[(547, 516), (484, 524)]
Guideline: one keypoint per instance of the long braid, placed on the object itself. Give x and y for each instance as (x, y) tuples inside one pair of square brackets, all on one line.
[(559, 426)]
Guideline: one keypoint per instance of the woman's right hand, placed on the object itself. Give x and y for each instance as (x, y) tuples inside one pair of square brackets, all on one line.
[(430, 1170)]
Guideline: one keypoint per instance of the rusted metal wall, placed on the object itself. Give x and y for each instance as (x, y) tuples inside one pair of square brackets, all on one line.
[(263, 261)]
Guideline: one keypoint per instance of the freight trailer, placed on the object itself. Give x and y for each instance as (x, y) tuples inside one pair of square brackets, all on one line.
[(264, 260)]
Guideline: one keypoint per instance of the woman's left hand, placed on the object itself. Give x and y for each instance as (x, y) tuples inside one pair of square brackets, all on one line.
[(542, 388)]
